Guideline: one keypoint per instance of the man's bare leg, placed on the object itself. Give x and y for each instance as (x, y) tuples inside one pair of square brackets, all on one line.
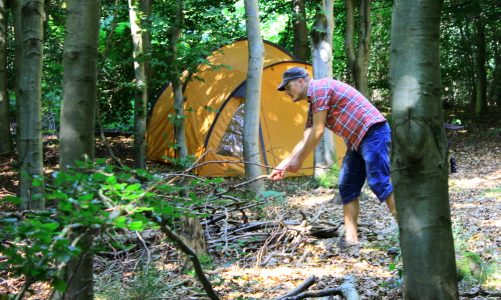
[(390, 202), (351, 211)]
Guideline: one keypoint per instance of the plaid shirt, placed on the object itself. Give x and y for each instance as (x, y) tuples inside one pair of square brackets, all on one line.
[(349, 115)]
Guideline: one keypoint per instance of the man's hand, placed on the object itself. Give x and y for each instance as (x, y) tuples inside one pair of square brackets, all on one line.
[(292, 165), (277, 174)]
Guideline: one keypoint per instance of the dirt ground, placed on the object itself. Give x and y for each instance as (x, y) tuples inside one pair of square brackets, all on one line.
[(257, 268)]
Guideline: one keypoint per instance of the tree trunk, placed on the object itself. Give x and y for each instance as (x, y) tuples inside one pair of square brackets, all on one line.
[(480, 62), (30, 105), (358, 62), (348, 42), (364, 40), (419, 159), (179, 128), (321, 44), (301, 47), (77, 134), (141, 99), (252, 155), (5, 137), (496, 80)]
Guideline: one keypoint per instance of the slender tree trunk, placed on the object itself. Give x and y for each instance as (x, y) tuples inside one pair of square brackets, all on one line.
[(496, 81), (177, 87), (419, 159), (358, 62), (141, 99), (321, 45), (30, 105), (5, 137), (364, 40), (301, 46), (252, 155), (348, 42), (480, 62), (77, 134), (145, 7)]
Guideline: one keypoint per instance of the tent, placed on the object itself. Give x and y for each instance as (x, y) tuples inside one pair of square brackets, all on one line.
[(214, 114)]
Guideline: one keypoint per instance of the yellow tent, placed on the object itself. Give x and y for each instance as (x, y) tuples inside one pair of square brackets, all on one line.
[(214, 114)]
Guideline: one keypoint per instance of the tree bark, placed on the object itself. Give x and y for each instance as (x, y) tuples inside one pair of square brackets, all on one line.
[(358, 62), (5, 136), (77, 134), (301, 47), (321, 44), (496, 81), (179, 128), (364, 40), (252, 154), (30, 105), (141, 98), (419, 158), (480, 62)]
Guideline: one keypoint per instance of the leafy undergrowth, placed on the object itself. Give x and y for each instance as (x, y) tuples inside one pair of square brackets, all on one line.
[(272, 260)]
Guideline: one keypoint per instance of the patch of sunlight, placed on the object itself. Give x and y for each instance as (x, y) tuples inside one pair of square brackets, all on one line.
[(494, 193), (490, 181), (491, 223), (311, 201)]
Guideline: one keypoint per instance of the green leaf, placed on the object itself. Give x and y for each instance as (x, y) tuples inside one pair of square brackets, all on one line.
[(120, 222), (59, 285), (136, 225), (11, 199)]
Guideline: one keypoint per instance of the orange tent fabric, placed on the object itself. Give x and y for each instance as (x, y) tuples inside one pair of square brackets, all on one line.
[(214, 114)]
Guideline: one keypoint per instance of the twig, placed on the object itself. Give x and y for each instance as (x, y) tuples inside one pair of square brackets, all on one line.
[(145, 247)]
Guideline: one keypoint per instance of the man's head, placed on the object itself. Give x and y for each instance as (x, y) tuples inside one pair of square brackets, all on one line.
[(295, 83)]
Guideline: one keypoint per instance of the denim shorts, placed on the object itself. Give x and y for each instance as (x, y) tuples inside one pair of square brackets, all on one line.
[(371, 161)]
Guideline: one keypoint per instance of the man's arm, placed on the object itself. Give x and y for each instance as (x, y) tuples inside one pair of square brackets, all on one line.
[(310, 140)]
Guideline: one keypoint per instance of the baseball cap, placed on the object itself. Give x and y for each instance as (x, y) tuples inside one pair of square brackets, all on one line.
[(291, 74)]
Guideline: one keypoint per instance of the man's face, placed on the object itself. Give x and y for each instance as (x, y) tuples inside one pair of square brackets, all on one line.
[(294, 89)]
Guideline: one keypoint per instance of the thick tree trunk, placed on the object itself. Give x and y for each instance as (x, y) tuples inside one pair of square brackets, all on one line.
[(77, 134), (419, 159), (179, 128), (30, 105), (5, 137), (252, 154), (321, 45), (301, 45), (480, 62), (141, 99)]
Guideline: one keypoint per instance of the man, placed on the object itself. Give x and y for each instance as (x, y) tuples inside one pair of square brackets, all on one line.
[(342, 109)]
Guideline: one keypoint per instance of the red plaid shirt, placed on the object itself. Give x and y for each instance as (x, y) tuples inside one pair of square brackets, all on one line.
[(349, 115)]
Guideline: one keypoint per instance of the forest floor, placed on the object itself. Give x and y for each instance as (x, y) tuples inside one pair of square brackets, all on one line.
[(271, 260)]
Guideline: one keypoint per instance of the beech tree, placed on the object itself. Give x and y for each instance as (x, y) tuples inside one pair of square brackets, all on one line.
[(301, 46), (138, 11), (358, 61), (174, 75), (29, 102), (321, 50), (419, 154), (252, 155), (77, 134), (6, 144)]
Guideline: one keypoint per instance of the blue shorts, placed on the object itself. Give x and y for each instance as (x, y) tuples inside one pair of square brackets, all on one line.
[(371, 161)]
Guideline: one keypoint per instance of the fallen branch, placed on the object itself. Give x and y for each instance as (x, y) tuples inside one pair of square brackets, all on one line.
[(303, 286), (347, 290)]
